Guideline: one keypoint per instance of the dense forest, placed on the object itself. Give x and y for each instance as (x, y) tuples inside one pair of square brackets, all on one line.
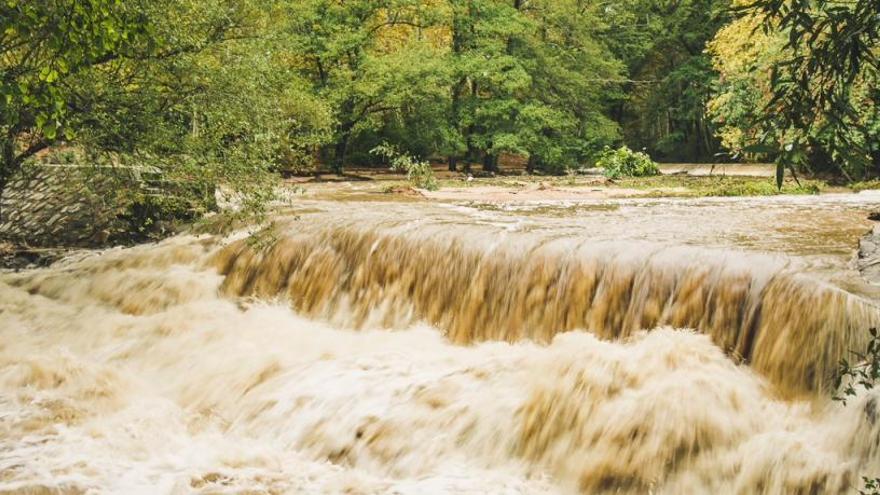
[(231, 89)]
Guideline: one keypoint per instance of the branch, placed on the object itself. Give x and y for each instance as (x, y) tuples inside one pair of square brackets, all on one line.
[(30, 151)]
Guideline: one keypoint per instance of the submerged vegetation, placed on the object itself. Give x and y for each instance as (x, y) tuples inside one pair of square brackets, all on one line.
[(418, 172), (865, 185), (683, 186), (855, 375), (624, 162), (861, 374)]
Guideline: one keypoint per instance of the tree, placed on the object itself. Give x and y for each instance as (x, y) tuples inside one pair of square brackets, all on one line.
[(565, 123), (200, 88), (343, 54), (828, 75), (529, 80), (44, 47), (744, 59), (220, 103), (662, 44)]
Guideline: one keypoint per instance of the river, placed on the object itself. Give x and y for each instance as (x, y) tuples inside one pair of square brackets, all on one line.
[(606, 346)]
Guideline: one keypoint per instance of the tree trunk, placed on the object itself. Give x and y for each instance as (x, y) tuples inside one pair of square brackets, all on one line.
[(532, 164), (875, 160), (818, 158), (3, 182), (490, 163), (459, 45), (457, 118), (468, 132), (339, 154), (7, 168)]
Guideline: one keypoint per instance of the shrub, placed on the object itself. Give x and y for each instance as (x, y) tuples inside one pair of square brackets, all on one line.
[(853, 377), (624, 162), (418, 172)]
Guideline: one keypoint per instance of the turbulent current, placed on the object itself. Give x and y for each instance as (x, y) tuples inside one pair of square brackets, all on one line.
[(366, 349)]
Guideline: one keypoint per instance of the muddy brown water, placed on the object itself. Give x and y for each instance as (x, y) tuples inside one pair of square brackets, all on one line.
[(613, 346)]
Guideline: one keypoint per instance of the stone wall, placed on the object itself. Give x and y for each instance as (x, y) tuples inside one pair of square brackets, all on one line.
[(67, 205), (869, 253)]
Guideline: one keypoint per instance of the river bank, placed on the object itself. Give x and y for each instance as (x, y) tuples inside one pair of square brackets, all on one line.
[(678, 181)]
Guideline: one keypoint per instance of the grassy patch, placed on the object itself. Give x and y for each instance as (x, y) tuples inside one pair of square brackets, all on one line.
[(763, 188), (501, 181), (865, 185), (686, 186)]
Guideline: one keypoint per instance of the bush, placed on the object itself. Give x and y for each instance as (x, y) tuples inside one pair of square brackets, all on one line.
[(624, 162), (418, 172), (854, 377)]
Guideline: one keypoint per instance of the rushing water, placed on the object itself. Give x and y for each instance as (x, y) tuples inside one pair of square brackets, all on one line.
[(414, 348)]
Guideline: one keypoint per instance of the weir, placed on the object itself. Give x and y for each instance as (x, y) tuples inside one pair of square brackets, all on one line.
[(112, 360), (790, 327)]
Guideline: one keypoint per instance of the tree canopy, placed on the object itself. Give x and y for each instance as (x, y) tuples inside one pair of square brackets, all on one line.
[(812, 70)]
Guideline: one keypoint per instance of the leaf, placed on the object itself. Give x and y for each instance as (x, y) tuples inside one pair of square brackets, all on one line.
[(50, 130), (760, 148)]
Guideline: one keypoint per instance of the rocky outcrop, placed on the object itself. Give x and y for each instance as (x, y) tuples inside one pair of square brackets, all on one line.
[(869, 252), (67, 205)]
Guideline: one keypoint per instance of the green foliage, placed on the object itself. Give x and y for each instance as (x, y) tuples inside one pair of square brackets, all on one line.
[(541, 93), (345, 57), (197, 88), (865, 185), (624, 162), (760, 188), (418, 172), (863, 374), (44, 49), (662, 106), (464, 79), (823, 100), (872, 486), (719, 185), (217, 107)]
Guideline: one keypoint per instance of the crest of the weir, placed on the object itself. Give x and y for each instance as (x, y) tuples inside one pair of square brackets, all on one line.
[(789, 327)]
